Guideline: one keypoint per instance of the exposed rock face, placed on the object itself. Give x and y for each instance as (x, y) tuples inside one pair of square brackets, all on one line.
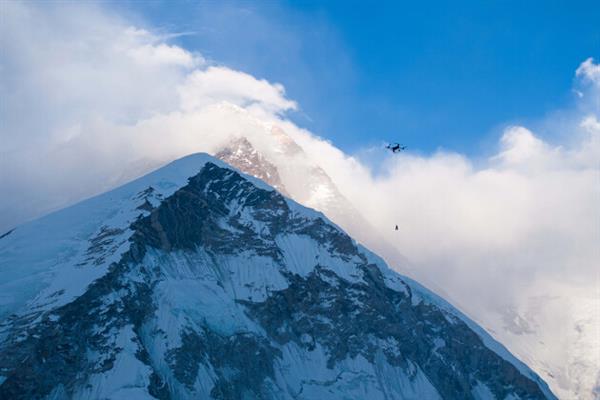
[(241, 154), (318, 190), (219, 287)]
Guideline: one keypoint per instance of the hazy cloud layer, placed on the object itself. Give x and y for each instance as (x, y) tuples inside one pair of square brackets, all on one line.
[(85, 95), (89, 101)]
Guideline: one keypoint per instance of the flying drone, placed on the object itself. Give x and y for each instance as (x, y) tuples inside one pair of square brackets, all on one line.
[(395, 147)]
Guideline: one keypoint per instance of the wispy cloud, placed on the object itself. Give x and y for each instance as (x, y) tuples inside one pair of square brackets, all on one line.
[(589, 71)]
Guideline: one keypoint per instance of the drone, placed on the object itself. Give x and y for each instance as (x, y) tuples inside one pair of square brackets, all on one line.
[(395, 147)]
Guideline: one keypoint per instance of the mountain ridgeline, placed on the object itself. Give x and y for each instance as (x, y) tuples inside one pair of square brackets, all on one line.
[(197, 281)]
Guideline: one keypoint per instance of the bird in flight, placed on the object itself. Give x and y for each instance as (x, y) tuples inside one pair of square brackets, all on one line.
[(395, 147)]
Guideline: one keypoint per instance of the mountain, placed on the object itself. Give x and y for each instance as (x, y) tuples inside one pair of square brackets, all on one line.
[(197, 281)]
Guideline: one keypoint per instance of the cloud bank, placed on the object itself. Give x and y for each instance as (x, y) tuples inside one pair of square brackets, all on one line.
[(90, 101)]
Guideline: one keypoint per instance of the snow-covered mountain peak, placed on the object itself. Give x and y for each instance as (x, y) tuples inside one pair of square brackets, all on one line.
[(198, 281), (241, 154)]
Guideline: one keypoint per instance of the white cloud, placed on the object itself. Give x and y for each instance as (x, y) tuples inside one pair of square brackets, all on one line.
[(590, 71), (90, 101), (163, 54), (521, 147), (216, 84), (78, 84)]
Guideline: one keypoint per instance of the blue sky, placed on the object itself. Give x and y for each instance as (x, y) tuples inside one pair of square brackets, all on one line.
[(431, 75)]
